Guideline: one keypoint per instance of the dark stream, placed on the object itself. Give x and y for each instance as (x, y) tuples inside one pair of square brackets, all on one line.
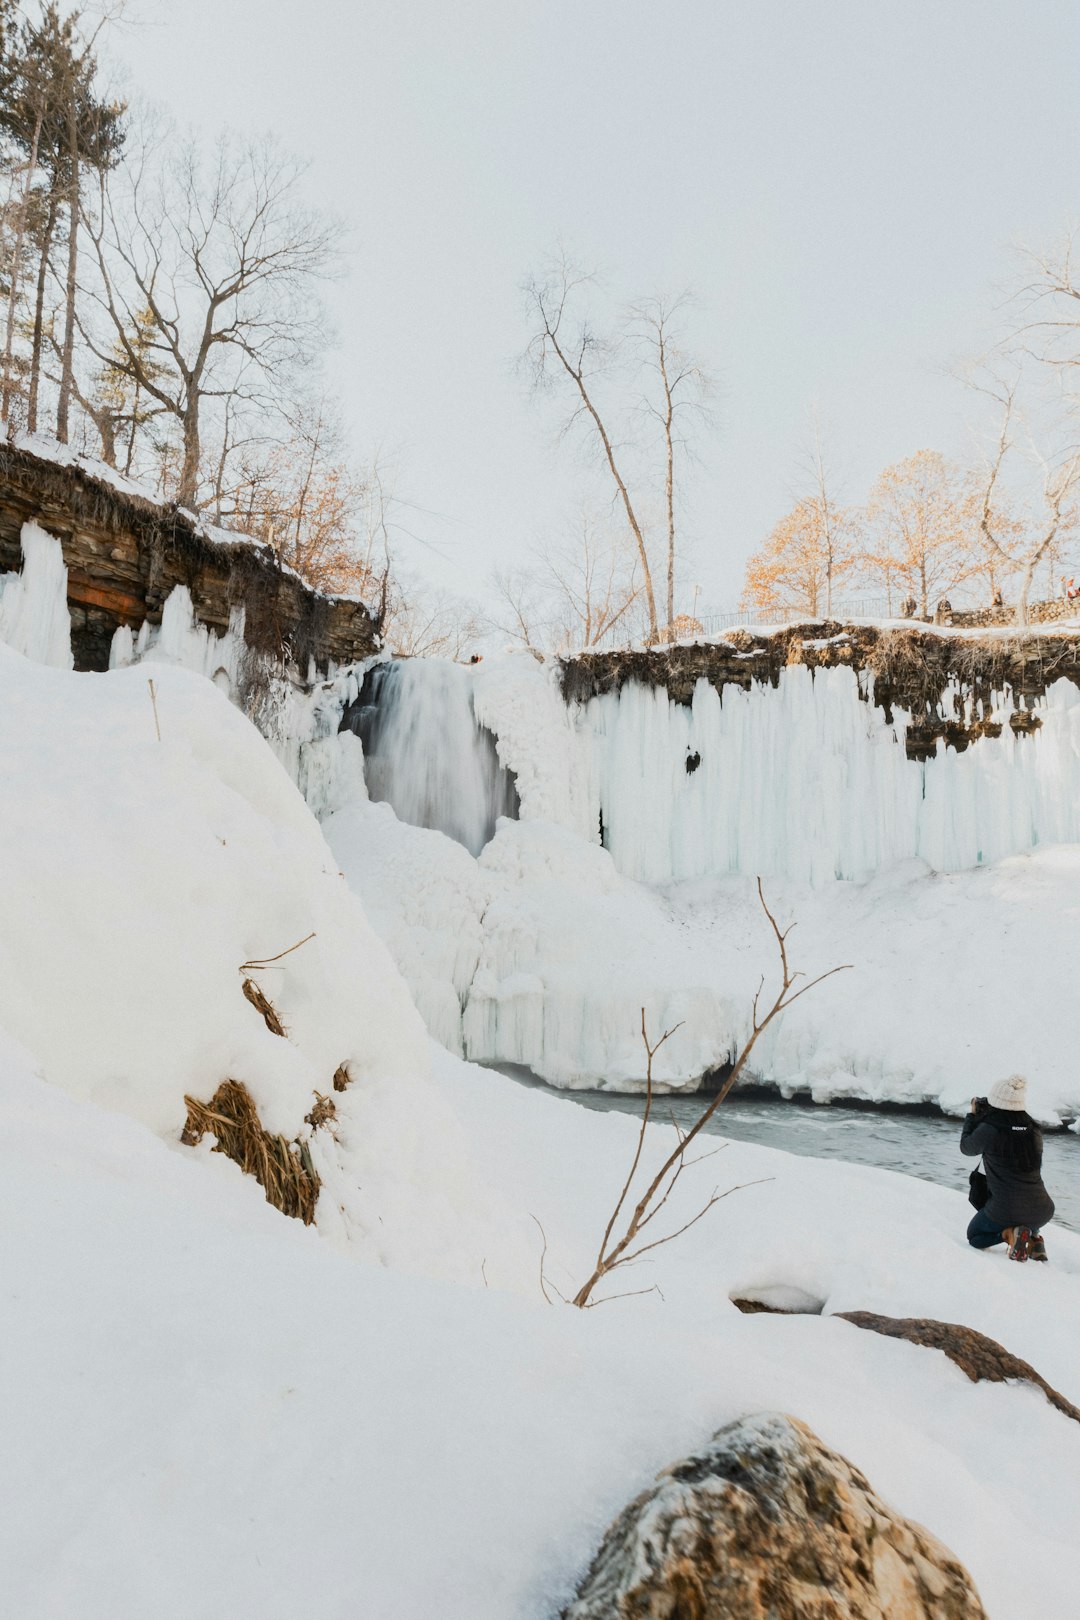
[(914, 1143)]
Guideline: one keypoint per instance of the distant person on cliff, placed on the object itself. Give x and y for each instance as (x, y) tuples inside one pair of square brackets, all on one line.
[(1010, 1142)]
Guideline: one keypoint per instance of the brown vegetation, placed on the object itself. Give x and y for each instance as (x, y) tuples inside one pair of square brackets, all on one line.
[(283, 1169)]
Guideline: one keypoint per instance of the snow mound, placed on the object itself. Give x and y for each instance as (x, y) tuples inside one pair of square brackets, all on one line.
[(187, 1369), (139, 876)]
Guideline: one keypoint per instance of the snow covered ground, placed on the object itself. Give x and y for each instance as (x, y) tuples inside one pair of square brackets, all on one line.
[(209, 1410)]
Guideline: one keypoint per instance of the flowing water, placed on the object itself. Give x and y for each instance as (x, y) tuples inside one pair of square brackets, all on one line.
[(894, 1139), (424, 752)]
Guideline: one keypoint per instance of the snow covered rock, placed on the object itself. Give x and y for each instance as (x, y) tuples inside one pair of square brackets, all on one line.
[(766, 1523)]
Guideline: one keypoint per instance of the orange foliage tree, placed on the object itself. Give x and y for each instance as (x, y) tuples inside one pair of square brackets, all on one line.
[(809, 555), (303, 496), (924, 519)]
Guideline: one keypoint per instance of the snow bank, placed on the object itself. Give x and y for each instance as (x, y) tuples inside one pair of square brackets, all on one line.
[(189, 1371), (137, 876)]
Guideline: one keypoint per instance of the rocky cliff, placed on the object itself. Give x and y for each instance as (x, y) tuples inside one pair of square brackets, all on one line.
[(125, 552)]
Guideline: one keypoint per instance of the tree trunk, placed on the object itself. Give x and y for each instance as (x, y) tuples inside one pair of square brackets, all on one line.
[(1025, 590), (624, 493), (670, 491), (16, 260), (131, 435), (187, 493), (63, 403), (39, 312)]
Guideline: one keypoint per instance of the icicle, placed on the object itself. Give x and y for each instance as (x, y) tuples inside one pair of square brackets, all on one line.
[(34, 617)]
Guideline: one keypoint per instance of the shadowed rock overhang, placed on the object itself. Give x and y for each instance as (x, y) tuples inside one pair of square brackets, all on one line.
[(125, 552)]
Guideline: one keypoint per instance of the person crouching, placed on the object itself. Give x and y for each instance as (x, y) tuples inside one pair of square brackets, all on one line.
[(1010, 1142)]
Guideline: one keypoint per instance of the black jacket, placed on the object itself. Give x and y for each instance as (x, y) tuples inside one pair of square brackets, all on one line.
[(1017, 1196)]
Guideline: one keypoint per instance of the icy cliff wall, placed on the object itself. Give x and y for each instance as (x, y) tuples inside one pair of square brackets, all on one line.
[(812, 780), (810, 772)]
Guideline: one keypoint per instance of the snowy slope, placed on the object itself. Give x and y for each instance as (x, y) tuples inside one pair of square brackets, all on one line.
[(138, 875), (208, 1410)]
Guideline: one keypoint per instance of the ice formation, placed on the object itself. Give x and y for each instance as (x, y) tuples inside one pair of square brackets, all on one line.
[(427, 755), (809, 781), (34, 617)]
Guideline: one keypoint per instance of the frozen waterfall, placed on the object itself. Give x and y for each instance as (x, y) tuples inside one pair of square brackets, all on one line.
[(811, 782), (425, 753)]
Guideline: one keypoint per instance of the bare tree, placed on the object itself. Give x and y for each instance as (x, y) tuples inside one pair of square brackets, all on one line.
[(573, 595), (1016, 545), (834, 523), (677, 400), (923, 525), (629, 1236), (420, 622), (220, 256), (566, 347), (1048, 300), (521, 614)]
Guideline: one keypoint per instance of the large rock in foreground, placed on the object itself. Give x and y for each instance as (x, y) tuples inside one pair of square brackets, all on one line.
[(766, 1523)]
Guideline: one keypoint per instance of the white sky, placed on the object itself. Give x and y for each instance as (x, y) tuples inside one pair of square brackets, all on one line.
[(839, 181)]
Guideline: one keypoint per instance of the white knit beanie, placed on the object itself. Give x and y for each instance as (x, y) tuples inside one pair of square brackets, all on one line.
[(1010, 1093)]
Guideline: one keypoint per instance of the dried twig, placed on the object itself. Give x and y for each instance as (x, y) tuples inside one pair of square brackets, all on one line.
[(153, 702), (265, 961), (662, 1185), (545, 1282)]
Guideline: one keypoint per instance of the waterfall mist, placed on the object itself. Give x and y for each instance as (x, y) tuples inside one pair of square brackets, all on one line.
[(426, 755)]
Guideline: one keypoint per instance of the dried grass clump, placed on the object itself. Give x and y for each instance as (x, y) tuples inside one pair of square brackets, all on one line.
[(284, 1170), (324, 1111), (262, 1003), (341, 1077)]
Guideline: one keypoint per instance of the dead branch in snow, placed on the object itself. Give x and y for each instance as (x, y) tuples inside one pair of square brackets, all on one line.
[(630, 1245), (265, 961)]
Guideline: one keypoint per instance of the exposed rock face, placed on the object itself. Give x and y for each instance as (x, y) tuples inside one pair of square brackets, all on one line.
[(974, 1353), (913, 669), (125, 552), (766, 1523)]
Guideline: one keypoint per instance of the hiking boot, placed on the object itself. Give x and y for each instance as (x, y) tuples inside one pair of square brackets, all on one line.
[(1020, 1243), (1037, 1249)]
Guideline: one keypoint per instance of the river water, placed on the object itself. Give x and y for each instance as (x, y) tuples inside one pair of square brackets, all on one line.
[(916, 1144)]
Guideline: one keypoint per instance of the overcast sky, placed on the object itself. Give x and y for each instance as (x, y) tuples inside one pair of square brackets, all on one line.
[(839, 181)]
